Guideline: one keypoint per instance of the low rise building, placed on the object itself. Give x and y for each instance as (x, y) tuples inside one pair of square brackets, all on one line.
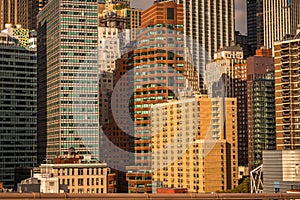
[(75, 174), (29, 185)]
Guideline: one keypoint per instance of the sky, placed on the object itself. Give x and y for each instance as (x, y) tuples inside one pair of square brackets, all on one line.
[(240, 12)]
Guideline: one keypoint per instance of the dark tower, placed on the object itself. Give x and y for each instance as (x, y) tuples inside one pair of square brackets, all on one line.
[(255, 25)]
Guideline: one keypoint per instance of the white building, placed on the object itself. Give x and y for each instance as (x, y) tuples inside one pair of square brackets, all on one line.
[(209, 26), (281, 171), (281, 17), (222, 64), (111, 42)]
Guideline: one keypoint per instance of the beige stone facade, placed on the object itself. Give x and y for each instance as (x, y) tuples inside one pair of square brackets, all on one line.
[(81, 177)]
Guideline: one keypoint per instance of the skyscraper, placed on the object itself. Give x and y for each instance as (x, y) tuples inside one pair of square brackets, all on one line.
[(261, 105), (20, 12), (161, 68), (18, 93), (226, 77), (208, 26), (255, 25), (68, 78), (287, 93), (281, 18), (114, 34)]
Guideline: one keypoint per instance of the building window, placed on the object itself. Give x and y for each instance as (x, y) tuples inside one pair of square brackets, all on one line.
[(80, 190), (80, 181), (170, 13), (80, 171)]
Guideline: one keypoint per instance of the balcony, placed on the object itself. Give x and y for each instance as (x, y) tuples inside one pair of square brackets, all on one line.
[(286, 86), (295, 72), (284, 46), (286, 94), (287, 141), (285, 113), (285, 80), (285, 73), (285, 66), (286, 100)]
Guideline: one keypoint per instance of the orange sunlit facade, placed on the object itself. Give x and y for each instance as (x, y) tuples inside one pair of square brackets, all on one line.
[(161, 67)]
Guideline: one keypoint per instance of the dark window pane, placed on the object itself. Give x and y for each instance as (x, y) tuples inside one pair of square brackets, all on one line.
[(170, 13)]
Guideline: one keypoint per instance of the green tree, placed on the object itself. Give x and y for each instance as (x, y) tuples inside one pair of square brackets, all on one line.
[(244, 187)]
